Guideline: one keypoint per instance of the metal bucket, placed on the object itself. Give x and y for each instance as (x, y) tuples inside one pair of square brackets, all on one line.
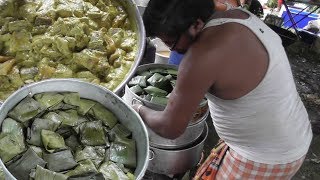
[(171, 162), (126, 115), (193, 130)]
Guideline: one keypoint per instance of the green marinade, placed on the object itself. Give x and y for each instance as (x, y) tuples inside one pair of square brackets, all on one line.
[(92, 40)]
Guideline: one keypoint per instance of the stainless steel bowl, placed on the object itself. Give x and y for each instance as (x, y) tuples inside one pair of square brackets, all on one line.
[(171, 162), (194, 128), (126, 115), (135, 16)]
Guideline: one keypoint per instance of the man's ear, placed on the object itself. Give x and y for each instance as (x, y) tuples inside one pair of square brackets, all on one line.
[(196, 27)]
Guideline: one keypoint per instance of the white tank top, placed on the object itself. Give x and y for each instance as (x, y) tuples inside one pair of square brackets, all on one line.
[(269, 124)]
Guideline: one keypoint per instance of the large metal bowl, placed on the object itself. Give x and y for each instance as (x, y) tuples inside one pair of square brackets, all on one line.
[(135, 17), (126, 115)]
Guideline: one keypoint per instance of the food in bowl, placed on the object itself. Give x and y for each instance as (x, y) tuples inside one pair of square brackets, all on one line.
[(155, 85), (94, 41), (60, 135)]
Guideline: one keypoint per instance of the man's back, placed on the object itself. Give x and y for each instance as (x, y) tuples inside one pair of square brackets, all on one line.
[(254, 103)]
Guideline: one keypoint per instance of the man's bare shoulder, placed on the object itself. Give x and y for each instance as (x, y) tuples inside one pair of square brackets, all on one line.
[(217, 43)]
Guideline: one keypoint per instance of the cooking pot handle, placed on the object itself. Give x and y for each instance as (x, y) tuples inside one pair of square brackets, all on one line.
[(151, 154), (136, 101)]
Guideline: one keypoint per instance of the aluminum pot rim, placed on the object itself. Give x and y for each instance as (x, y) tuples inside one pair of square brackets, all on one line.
[(158, 106), (28, 88)]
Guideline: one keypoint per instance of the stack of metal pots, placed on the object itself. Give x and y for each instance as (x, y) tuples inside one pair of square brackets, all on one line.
[(176, 156)]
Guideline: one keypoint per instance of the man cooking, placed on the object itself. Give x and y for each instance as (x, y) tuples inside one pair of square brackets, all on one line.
[(241, 67)]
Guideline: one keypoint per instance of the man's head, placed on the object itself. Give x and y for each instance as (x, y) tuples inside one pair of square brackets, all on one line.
[(176, 22)]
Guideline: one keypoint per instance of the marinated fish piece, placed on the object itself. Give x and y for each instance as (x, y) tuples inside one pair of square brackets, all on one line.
[(6, 67), (5, 58), (63, 71), (20, 41)]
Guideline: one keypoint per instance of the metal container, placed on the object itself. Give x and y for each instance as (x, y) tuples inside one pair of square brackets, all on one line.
[(192, 133), (172, 162), (126, 115), (135, 16), (193, 130)]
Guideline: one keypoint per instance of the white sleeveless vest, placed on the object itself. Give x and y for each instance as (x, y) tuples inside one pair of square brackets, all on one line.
[(269, 124)]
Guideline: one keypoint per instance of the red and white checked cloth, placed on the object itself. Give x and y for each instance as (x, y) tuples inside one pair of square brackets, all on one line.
[(234, 166)]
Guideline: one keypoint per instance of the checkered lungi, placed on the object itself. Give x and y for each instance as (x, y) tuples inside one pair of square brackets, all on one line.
[(234, 166)]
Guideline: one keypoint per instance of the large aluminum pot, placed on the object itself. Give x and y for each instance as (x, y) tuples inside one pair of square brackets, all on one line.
[(134, 14), (127, 116), (192, 133), (193, 130), (172, 162)]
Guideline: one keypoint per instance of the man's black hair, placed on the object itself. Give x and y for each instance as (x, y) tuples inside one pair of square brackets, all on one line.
[(173, 17)]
